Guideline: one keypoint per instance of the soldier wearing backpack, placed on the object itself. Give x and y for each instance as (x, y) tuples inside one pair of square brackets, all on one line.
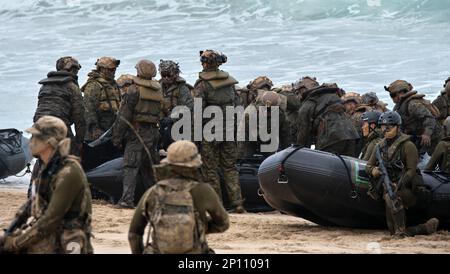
[(177, 207), (418, 116)]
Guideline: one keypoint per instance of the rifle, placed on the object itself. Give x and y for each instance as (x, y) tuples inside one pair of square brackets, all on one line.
[(393, 198), (105, 137), (20, 219)]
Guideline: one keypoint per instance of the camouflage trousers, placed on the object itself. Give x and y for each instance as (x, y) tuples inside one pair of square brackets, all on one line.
[(137, 166), (222, 156)]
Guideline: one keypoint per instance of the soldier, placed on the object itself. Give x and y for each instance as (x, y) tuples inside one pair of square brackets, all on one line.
[(60, 96), (217, 88), (418, 115), (176, 92), (371, 100), (302, 86), (293, 103), (180, 210), (101, 97), (124, 81), (254, 88), (322, 117), (60, 207), (441, 155), (371, 133), (248, 148), (442, 102), (137, 120), (351, 101), (400, 157)]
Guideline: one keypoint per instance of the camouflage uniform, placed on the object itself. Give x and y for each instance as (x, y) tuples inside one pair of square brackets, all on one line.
[(370, 99), (177, 93), (441, 155), (179, 170), (141, 106), (322, 117), (101, 100), (418, 120), (60, 96), (216, 88), (247, 148), (442, 102), (124, 81), (293, 104), (60, 209)]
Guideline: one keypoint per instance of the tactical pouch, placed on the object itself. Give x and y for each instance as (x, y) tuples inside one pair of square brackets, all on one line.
[(74, 241)]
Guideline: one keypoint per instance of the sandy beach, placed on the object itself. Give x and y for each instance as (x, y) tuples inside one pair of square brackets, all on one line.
[(271, 232)]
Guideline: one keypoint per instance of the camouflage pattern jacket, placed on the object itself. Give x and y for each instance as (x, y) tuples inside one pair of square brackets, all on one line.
[(206, 202), (101, 102), (322, 116)]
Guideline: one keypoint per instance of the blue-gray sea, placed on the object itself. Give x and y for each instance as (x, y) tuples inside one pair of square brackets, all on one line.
[(360, 44)]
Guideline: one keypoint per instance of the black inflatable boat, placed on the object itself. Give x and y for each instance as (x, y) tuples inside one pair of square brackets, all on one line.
[(331, 190), (106, 179), (14, 152)]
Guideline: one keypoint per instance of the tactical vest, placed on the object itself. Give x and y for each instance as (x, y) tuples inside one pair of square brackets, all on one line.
[(222, 91), (76, 224), (171, 96), (392, 157), (176, 227), (109, 100), (55, 97), (149, 106), (374, 136), (410, 124)]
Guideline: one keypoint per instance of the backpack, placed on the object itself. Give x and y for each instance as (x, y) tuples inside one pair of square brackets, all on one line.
[(426, 103), (173, 219)]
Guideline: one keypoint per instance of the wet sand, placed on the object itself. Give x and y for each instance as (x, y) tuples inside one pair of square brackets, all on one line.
[(251, 233)]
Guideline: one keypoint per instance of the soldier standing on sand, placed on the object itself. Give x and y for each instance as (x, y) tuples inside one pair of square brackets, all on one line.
[(101, 98), (137, 122), (217, 88)]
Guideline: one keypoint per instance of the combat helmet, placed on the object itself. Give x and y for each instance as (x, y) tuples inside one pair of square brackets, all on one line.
[(371, 117), (146, 69), (390, 118), (168, 66), (260, 82), (212, 57), (66, 63), (107, 62), (183, 153)]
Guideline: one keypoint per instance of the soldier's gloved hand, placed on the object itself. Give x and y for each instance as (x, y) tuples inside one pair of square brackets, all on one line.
[(376, 172), (7, 244), (426, 140)]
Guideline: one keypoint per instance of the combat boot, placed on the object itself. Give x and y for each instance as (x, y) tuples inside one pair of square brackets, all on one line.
[(239, 210), (427, 228), (399, 224), (431, 226)]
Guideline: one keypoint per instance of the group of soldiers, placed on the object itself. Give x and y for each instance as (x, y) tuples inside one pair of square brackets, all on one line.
[(185, 202)]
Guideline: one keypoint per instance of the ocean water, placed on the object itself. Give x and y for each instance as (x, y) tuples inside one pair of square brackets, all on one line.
[(360, 44)]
